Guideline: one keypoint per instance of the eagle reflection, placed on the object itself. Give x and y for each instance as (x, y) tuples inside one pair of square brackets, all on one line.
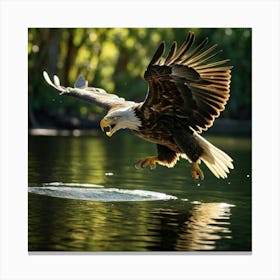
[(196, 230)]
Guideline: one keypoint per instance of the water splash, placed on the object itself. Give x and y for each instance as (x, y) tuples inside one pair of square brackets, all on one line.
[(73, 185), (96, 193)]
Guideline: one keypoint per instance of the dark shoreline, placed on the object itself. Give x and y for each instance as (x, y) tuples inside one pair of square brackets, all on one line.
[(221, 127)]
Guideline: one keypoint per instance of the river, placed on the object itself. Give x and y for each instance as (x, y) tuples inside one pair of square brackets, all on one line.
[(85, 195)]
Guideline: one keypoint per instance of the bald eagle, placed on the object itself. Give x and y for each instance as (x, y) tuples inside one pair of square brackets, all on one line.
[(187, 90)]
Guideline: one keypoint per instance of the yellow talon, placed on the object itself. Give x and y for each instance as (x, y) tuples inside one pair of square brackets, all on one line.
[(150, 161), (197, 173)]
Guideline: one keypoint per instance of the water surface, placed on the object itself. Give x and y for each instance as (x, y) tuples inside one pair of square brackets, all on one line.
[(85, 195)]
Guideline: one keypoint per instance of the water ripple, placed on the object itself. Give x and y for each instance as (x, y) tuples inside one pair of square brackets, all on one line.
[(96, 193)]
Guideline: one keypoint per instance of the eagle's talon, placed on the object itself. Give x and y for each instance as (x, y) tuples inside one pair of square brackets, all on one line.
[(150, 161), (197, 173), (137, 165)]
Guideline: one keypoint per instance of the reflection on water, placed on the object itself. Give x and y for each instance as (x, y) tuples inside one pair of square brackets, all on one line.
[(198, 229), (209, 222), (120, 228), (201, 218)]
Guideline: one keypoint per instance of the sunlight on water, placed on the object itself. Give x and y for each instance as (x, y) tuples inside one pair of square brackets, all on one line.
[(201, 228), (207, 223)]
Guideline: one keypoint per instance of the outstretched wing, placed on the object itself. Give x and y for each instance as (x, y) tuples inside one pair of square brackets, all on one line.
[(187, 84), (81, 90)]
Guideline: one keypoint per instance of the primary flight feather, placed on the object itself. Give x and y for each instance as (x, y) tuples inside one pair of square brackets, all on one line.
[(187, 90)]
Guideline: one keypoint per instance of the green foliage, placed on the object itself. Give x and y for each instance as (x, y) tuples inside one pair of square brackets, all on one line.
[(115, 59)]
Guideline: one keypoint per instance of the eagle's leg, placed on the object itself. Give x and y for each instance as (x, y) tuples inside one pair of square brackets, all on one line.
[(190, 146), (165, 157), (197, 173)]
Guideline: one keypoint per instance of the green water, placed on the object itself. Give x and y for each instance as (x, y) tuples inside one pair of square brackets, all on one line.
[(213, 215)]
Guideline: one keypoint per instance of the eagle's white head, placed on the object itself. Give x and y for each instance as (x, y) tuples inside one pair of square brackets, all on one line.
[(119, 119)]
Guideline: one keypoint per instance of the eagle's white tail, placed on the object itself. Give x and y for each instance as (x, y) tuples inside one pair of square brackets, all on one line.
[(215, 159)]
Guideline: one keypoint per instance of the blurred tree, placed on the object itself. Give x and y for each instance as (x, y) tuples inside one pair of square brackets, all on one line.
[(115, 59)]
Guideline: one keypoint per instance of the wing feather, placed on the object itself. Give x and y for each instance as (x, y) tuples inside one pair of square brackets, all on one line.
[(185, 46), (94, 95), (211, 65), (158, 55), (193, 53), (172, 52), (189, 84), (191, 61)]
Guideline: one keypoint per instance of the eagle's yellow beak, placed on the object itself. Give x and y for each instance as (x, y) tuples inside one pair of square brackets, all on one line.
[(106, 127)]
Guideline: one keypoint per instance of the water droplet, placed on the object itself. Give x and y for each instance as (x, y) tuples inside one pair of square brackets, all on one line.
[(198, 184), (76, 132), (228, 183), (248, 175), (35, 48)]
